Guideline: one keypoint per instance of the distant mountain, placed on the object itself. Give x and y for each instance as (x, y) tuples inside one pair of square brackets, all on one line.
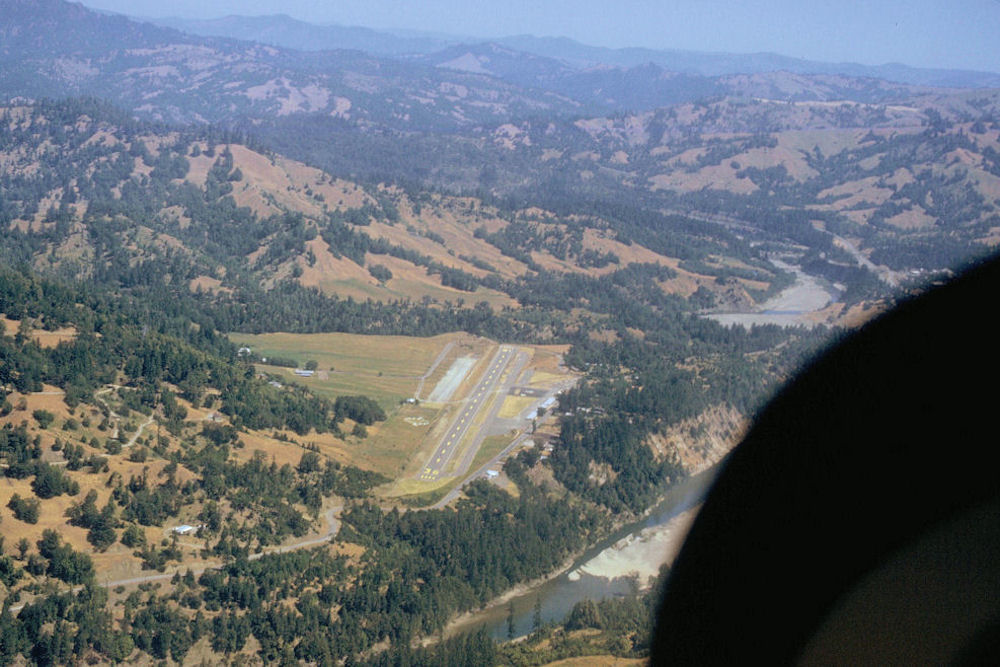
[(499, 61), (283, 30), (55, 49), (649, 85), (44, 28), (719, 64)]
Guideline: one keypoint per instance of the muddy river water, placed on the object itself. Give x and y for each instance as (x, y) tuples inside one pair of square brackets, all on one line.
[(604, 570), (636, 551), (792, 306)]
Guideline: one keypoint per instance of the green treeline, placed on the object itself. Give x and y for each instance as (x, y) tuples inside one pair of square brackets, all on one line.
[(419, 569), (654, 364)]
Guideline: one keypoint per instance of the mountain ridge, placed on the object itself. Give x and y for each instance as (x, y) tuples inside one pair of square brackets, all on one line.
[(305, 35), (57, 49)]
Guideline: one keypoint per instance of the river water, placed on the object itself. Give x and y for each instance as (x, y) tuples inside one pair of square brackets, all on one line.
[(634, 547), (641, 547), (791, 307)]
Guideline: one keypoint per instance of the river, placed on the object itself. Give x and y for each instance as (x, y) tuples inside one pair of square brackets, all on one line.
[(792, 306), (640, 546)]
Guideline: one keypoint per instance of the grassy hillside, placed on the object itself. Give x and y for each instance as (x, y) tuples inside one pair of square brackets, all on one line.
[(138, 259), (132, 204), (912, 184)]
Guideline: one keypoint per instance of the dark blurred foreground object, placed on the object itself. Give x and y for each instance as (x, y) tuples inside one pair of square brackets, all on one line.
[(859, 520)]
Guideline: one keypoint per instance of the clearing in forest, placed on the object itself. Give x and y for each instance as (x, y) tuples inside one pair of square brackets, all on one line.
[(440, 372)]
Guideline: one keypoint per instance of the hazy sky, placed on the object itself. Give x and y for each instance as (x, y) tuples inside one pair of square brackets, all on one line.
[(927, 33)]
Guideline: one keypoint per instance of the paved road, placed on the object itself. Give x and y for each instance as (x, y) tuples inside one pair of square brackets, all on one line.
[(495, 462), (492, 463), (480, 395), (490, 423), (888, 276)]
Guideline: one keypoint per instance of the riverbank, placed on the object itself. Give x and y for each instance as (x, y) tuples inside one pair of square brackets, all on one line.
[(468, 620), (641, 554), (664, 523), (794, 306)]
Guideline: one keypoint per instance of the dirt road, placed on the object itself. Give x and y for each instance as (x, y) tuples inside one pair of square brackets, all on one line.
[(333, 527)]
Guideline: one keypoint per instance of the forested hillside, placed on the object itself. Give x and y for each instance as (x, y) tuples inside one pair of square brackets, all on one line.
[(171, 495), (913, 185), (136, 206), (140, 246)]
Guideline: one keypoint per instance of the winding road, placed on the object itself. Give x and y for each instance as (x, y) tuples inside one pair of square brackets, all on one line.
[(333, 527)]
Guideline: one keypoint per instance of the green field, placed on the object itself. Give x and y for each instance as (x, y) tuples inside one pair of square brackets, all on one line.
[(386, 368), (391, 446), (492, 445)]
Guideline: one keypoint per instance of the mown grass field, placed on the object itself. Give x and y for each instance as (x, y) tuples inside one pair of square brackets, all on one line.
[(514, 405), (386, 368), (390, 446), (407, 356), (389, 369), (492, 445)]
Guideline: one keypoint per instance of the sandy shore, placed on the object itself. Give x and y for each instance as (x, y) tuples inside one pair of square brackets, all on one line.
[(642, 553)]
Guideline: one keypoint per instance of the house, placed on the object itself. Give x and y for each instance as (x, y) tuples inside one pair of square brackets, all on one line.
[(185, 529), (492, 473)]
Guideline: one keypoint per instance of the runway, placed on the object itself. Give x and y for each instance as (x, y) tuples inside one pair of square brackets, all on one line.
[(478, 397)]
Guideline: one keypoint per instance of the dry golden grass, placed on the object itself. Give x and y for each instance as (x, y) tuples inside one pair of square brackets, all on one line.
[(864, 190), (46, 339), (207, 284), (412, 282), (830, 141), (545, 379), (391, 446), (913, 218), (117, 561), (198, 168), (282, 452), (343, 277), (549, 357), (858, 314), (413, 487), (718, 177), (988, 184), (270, 186), (337, 275), (514, 406), (492, 445)]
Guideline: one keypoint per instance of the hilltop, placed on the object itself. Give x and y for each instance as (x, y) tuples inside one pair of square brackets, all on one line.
[(55, 48)]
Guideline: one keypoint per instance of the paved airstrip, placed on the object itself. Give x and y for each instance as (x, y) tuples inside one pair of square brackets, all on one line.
[(459, 428)]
